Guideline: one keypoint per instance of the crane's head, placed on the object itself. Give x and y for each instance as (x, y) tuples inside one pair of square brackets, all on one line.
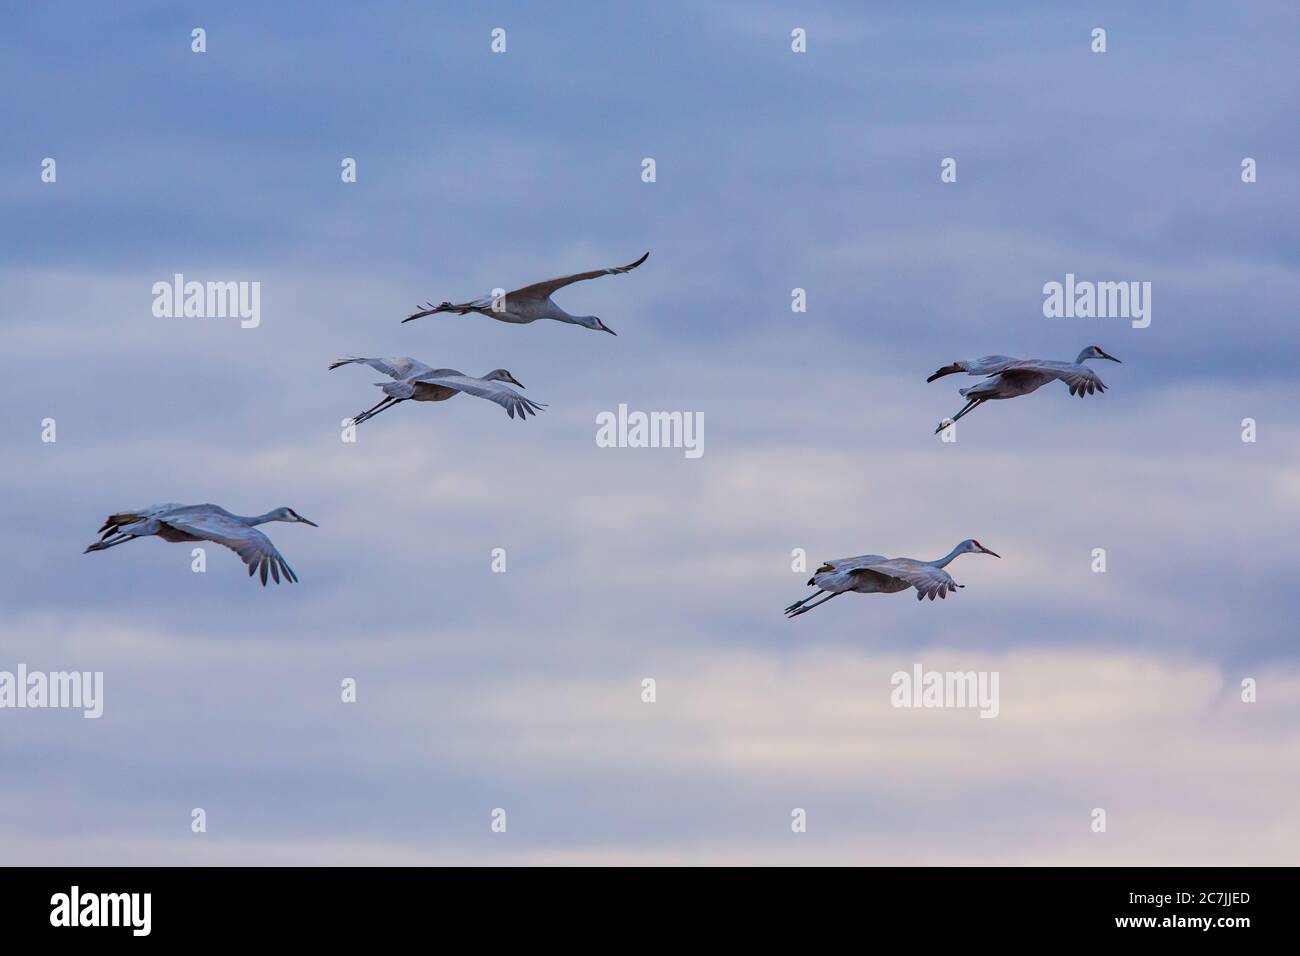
[(1095, 352), (291, 516), (971, 546), (592, 322), (501, 375)]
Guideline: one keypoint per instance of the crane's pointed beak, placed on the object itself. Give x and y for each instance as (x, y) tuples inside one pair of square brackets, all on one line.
[(305, 521), (606, 328), (515, 381), (1112, 358), (987, 551)]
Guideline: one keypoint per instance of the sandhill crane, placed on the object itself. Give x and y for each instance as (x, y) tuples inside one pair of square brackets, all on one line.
[(532, 302), (173, 522), (1009, 377), (876, 574), (418, 382)]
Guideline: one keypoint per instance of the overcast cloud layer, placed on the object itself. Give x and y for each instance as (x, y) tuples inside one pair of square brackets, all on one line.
[(522, 690)]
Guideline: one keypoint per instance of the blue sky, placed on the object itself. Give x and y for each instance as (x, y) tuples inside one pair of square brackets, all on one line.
[(775, 170)]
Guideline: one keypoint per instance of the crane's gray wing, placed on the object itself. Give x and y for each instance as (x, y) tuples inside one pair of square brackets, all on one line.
[(988, 365), (862, 560), (543, 290), (401, 367), (493, 391), (121, 518), (253, 547), (1081, 379), (928, 580)]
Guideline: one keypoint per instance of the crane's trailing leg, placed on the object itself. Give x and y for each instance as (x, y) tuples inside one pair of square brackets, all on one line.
[(431, 309), (110, 542), (971, 405), (806, 608), (373, 409), (798, 604), (370, 413)]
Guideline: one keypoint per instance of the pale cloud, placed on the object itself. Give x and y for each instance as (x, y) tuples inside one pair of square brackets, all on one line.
[(1079, 729)]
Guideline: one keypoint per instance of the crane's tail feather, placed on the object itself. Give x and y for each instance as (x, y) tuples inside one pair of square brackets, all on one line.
[(113, 522)]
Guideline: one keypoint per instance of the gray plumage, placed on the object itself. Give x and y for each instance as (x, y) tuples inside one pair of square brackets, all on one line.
[(415, 381), (207, 522), (532, 302), (876, 574), (1010, 378)]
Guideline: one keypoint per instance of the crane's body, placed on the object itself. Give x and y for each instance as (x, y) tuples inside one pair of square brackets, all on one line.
[(207, 522), (415, 381), (532, 302), (1010, 378), (876, 574)]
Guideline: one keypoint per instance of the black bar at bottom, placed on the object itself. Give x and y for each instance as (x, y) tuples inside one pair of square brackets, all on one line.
[(375, 904)]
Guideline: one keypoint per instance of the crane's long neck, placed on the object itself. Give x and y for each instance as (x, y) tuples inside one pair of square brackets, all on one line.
[(559, 315), (947, 558), (1083, 356), (257, 519)]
